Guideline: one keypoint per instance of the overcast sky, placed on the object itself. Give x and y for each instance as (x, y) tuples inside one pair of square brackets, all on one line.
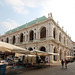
[(14, 13)]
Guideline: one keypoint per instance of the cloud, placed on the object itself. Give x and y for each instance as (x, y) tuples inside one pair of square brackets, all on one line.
[(9, 24), (18, 6), (22, 6), (1, 3)]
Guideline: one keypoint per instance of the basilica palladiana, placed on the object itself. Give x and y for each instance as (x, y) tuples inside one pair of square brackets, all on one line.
[(42, 34)]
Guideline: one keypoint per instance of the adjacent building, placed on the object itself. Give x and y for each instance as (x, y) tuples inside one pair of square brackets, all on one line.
[(42, 34), (73, 51)]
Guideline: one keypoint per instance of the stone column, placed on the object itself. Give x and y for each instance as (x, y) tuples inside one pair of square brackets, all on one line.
[(51, 50), (11, 40), (39, 35), (59, 54), (51, 31), (57, 35), (48, 31), (25, 37), (15, 39), (63, 55), (62, 39), (34, 35)]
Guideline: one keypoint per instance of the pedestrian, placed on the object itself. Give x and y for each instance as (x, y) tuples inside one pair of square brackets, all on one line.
[(65, 63), (62, 63)]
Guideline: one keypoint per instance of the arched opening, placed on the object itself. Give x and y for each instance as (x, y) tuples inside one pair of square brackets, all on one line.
[(43, 49), (55, 56), (14, 39), (31, 35), (2, 40), (30, 49), (21, 37), (54, 33), (7, 40), (43, 33), (60, 37)]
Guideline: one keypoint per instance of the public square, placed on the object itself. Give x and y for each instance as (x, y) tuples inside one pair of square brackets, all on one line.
[(51, 70)]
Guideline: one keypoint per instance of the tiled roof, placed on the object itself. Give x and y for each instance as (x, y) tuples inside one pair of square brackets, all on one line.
[(29, 23)]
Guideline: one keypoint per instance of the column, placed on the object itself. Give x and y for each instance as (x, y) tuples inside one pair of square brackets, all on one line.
[(51, 50), (57, 35), (11, 40), (24, 38), (51, 31), (46, 33), (15, 39)]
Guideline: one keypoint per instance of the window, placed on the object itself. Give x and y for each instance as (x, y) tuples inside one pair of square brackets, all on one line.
[(43, 32), (60, 37), (7, 40), (2, 40), (21, 37), (31, 35), (54, 33), (73, 47), (14, 39)]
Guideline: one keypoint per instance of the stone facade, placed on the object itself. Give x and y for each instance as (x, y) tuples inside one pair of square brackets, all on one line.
[(45, 35), (73, 51)]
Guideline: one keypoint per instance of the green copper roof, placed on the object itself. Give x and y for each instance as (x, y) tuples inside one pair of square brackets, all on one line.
[(29, 23)]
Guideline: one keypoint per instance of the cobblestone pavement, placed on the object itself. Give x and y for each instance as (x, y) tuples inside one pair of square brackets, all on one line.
[(52, 70)]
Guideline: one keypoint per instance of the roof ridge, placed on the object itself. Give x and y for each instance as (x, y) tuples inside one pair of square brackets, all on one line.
[(29, 23)]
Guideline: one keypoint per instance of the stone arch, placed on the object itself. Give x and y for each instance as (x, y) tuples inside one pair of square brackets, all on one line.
[(43, 32), (14, 40), (30, 49), (21, 37), (43, 49), (54, 33), (7, 40), (55, 56), (31, 35)]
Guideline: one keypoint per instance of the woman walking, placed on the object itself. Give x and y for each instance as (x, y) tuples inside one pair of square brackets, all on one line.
[(65, 64)]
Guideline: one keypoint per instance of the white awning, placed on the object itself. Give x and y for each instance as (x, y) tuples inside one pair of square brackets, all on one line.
[(11, 48), (69, 56), (42, 53)]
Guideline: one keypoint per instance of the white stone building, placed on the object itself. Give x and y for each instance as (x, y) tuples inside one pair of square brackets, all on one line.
[(42, 34)]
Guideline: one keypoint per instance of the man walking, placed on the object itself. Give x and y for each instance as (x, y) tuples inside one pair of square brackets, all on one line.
[(62, 63)]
